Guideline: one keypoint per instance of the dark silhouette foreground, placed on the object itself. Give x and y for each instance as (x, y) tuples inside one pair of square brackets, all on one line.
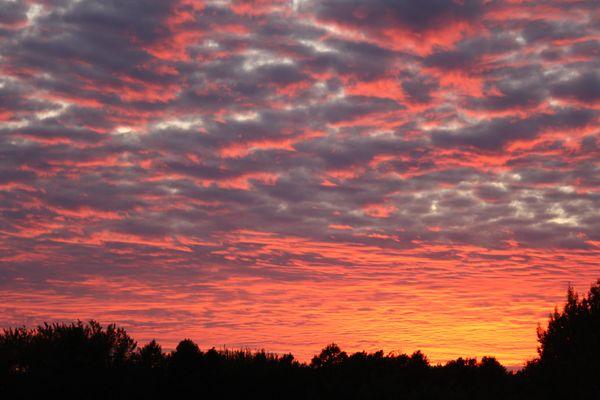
[(88, 361)]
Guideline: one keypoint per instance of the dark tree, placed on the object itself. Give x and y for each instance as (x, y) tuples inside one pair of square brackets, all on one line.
[(151, 356), (569, 350), (66, 358), (186, 356), (330, 355), (418, 360)]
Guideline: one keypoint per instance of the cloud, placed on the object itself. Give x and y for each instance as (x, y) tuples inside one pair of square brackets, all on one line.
[(243, 171), (391, 14), (498, 132)]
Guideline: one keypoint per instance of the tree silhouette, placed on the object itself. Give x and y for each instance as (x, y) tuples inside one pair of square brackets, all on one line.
[(66, 357), (185, 366), (186, 356), (330, 355), (569, 350), (418, 360), (151, 356)]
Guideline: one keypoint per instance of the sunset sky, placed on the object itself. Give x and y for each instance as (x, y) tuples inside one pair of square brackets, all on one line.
[(393, 175)]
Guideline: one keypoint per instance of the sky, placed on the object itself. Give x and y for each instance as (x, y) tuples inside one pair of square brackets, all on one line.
[(393, 175)]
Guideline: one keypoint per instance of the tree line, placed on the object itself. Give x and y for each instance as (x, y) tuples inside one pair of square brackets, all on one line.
[(89, 361)]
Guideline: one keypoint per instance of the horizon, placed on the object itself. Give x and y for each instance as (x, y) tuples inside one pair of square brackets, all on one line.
[(74, 358), (283, 174), (305, 361), (306, 355)]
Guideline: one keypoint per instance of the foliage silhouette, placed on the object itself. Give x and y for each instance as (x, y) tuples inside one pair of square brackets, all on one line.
[(330, 355), (86, 361), (569, 349)]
